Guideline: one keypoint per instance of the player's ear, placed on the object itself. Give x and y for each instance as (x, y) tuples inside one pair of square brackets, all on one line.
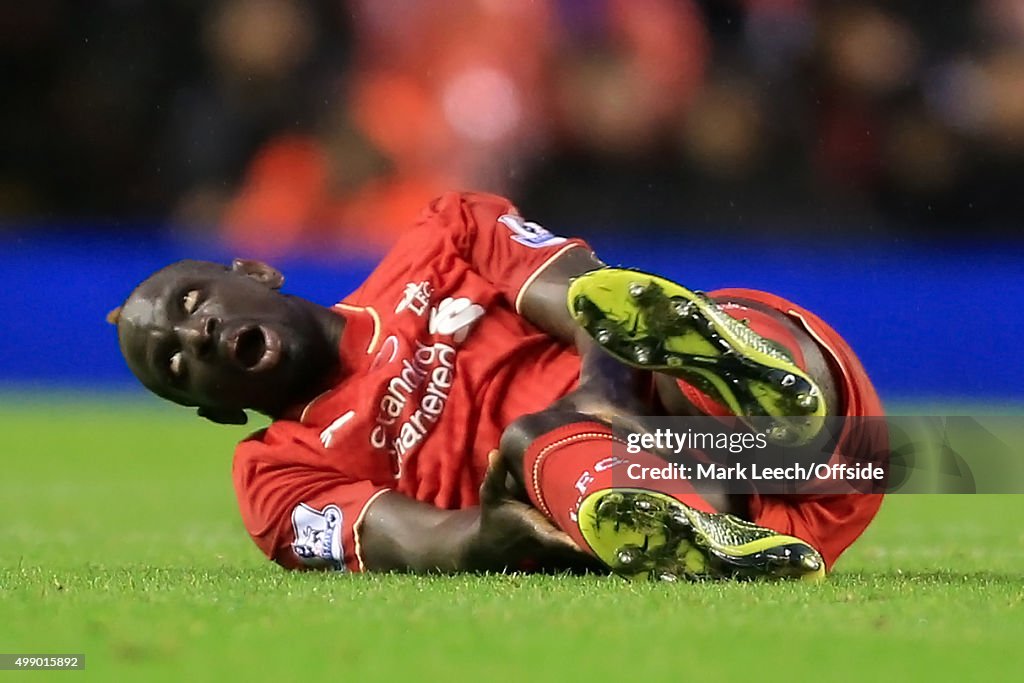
[(114, 317), (259, 271), (223, 416)]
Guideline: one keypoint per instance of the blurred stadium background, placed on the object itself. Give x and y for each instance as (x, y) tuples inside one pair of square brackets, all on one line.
[(864, 159)]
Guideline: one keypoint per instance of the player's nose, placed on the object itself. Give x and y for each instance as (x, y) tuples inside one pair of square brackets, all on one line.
[(197, 334)]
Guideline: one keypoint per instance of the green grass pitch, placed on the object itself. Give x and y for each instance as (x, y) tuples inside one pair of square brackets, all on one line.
[(120, 539)]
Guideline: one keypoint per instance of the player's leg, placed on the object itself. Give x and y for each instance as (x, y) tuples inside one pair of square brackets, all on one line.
[(678, 397), (773, 335), (575, 470), (830, 522), (652, 323)]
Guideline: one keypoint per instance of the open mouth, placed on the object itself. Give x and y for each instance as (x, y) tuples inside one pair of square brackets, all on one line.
[(255, 348), (250, 348)]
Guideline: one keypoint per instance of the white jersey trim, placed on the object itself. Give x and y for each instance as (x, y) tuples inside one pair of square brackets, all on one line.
[(305, 410), (359, 523), (376, 322)]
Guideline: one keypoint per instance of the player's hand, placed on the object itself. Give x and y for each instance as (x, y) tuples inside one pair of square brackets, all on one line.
[(515, 535)]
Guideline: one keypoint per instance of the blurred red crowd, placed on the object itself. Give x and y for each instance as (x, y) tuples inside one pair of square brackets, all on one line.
[(294, 123)]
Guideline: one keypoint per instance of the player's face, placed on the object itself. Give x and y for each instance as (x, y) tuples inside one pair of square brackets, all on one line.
[(200, 334)]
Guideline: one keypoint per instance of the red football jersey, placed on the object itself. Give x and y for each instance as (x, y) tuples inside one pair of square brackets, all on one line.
[(437, 363)]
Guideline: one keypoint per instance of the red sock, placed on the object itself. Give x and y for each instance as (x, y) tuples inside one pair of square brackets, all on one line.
[(568, 464)]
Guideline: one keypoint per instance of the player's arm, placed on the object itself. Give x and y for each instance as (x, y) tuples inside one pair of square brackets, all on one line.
[(602, 377), (543, 301), (402, 534), (533, 268)]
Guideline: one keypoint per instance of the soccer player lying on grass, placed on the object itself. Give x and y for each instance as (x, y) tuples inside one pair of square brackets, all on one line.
[(389, 407)]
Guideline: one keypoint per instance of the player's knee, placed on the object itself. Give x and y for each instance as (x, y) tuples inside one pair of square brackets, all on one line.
[(514, 441), (522, 432)]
